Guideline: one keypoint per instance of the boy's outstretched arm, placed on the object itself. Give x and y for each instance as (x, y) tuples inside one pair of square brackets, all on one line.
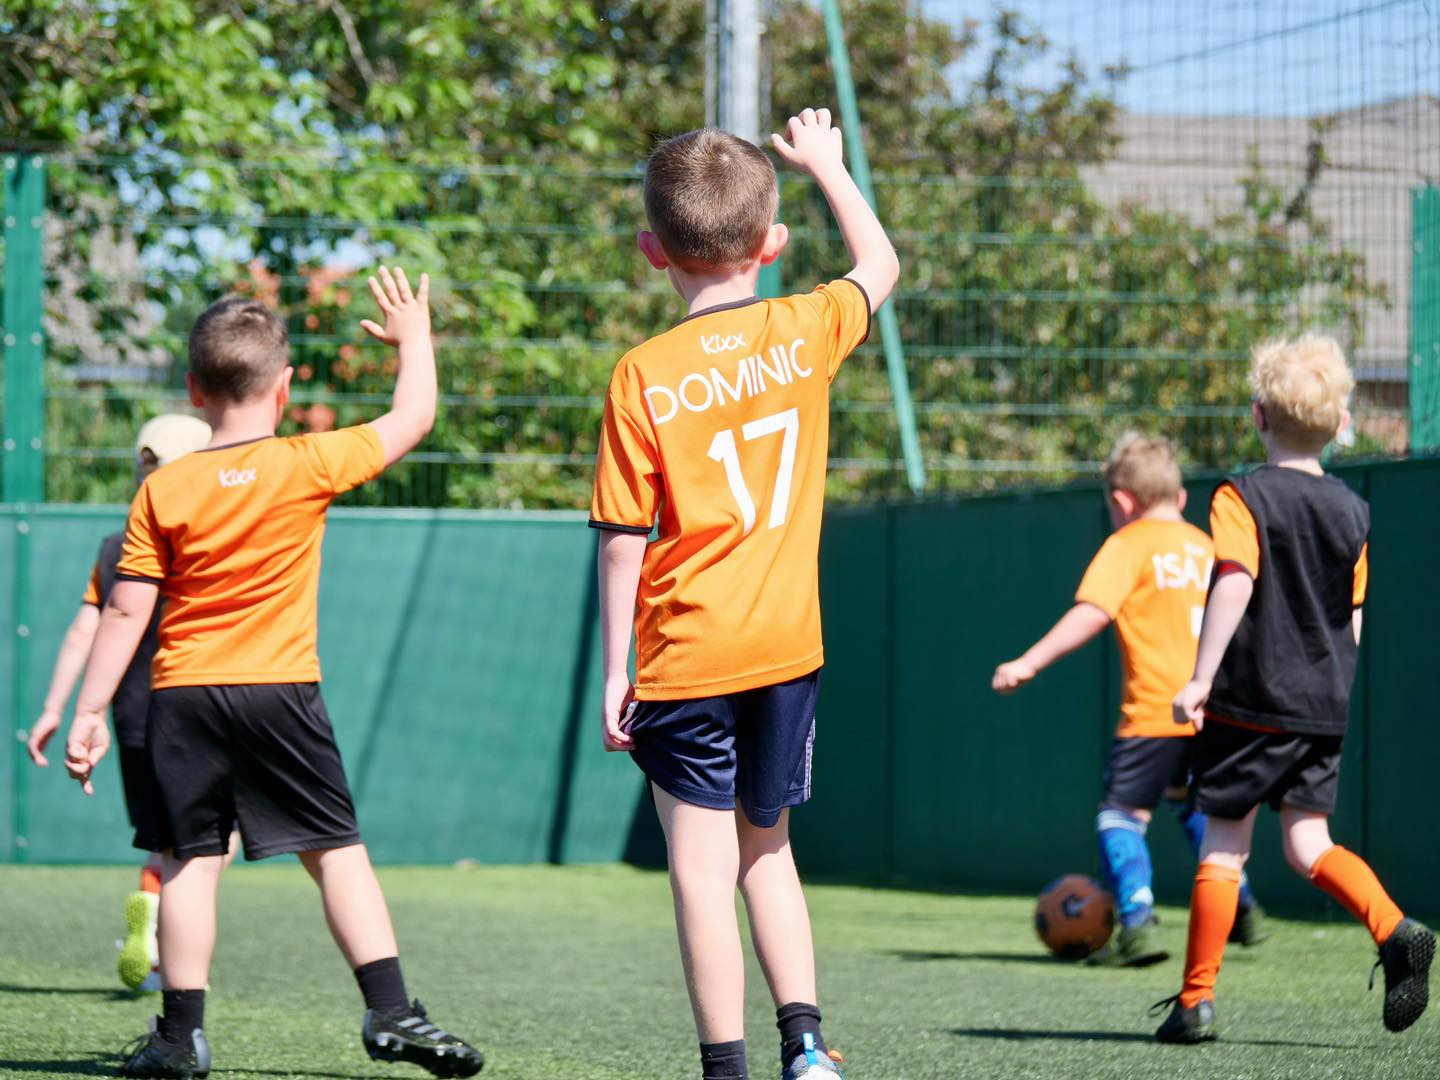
[(69, 664), (814, 146), (1077, 626), (122, 625), (1223, 612), (618, 564), (407, 328)]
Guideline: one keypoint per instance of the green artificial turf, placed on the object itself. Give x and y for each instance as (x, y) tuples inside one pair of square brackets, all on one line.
[(569, 973)]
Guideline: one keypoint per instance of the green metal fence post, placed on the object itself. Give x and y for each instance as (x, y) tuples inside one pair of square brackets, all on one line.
[(889, 325), (23, 474), (24, 205), (1425, 318)]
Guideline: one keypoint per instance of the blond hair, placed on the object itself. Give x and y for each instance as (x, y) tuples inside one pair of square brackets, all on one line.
[(710, 198), (1145, 466), (1303, 385), (237, 348)]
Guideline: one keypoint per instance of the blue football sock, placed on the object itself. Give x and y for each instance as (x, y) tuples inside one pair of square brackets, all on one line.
[(1193, 822), (1125, 859)]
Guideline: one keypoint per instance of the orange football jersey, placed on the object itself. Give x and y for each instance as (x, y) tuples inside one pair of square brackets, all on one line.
[(719, 429), (232, 536), (1151, 577)]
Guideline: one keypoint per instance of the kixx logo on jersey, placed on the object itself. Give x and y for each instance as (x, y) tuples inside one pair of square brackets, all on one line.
[(699, 391), (718, 343), (236, 477)]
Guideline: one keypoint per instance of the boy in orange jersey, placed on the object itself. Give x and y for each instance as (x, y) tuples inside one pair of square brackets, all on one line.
[(1292, 564), (719, 427), (161, 440), (1149, 579), (237, 729)]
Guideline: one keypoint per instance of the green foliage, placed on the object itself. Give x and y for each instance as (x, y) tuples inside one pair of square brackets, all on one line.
[(283, 147)]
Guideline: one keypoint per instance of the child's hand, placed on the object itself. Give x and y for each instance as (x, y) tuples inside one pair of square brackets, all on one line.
[(619, 693), (407, 315), (41, 733), (1009, 677), (1189, 704), (88, 740), (814, 145)]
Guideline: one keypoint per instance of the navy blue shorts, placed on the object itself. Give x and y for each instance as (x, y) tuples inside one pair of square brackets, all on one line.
[(1140, 769), (752, 748)]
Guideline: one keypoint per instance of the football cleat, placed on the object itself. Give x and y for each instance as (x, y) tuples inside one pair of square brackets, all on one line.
[(138, 952), (1132, 947), (152, 1056), (1406, 957), (810, 1064), (411, 1037), (1192, 1024), (1250, 928)]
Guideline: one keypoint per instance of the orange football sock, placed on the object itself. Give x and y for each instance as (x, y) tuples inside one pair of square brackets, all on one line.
[(1212, 915), (149, 879), (1349, 879)]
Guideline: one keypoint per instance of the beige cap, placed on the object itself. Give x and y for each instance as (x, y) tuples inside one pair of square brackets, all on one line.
[(172, 436)]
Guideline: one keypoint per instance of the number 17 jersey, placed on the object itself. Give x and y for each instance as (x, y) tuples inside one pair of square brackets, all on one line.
[(716, 435)]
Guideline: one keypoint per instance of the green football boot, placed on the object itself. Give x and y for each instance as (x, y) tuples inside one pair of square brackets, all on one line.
[(1195, 1024), (1250, 927), (138, 952), (1131, 947)]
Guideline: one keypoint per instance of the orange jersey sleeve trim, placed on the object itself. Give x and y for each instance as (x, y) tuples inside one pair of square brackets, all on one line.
[(92, 588), (1237, 544), (1362, 577)]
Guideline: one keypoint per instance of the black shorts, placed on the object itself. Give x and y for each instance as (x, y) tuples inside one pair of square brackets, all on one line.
[(263, 755), (142, 800), (1236, 769), (1140, 769), (752, 748)]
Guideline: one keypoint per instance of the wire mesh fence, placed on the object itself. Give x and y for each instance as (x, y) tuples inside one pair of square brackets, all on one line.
[(1126, 199)]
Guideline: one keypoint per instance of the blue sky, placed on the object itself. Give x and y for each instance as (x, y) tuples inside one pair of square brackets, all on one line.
[(1246, 57)]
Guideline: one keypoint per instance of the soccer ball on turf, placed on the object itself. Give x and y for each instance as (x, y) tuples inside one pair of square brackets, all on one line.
[(1074, 916)]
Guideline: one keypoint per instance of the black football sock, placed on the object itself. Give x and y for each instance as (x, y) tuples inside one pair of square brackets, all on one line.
[(182, 1012), (383, 985), (795, 1020), (724, 1061)]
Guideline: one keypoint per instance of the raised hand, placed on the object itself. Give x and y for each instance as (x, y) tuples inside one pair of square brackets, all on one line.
[(407, 314), (813, 144)]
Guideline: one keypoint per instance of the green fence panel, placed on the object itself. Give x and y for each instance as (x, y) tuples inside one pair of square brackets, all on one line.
[(1402, 681), (846, 826), (461, 672), (475, 717), (64, 825), (991, 792), (10, 749)]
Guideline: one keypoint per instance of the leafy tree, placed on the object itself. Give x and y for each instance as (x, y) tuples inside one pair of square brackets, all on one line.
[(202, 146)]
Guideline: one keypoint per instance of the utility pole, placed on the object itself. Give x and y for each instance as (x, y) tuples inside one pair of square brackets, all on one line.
[(732, 81)]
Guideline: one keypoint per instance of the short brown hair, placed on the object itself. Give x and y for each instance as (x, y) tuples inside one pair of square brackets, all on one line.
[(1303, 386), (710, 197), (1145, 466), (237, 347)]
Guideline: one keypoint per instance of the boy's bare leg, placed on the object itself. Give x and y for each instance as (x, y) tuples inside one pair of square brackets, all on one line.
[(187, 920), (354, 905), (704, 870), (775, 901)]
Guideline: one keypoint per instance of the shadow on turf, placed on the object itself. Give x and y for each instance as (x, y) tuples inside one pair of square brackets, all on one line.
[(104, 1065), (108, 993), (1033, 1035), (947, 954)]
